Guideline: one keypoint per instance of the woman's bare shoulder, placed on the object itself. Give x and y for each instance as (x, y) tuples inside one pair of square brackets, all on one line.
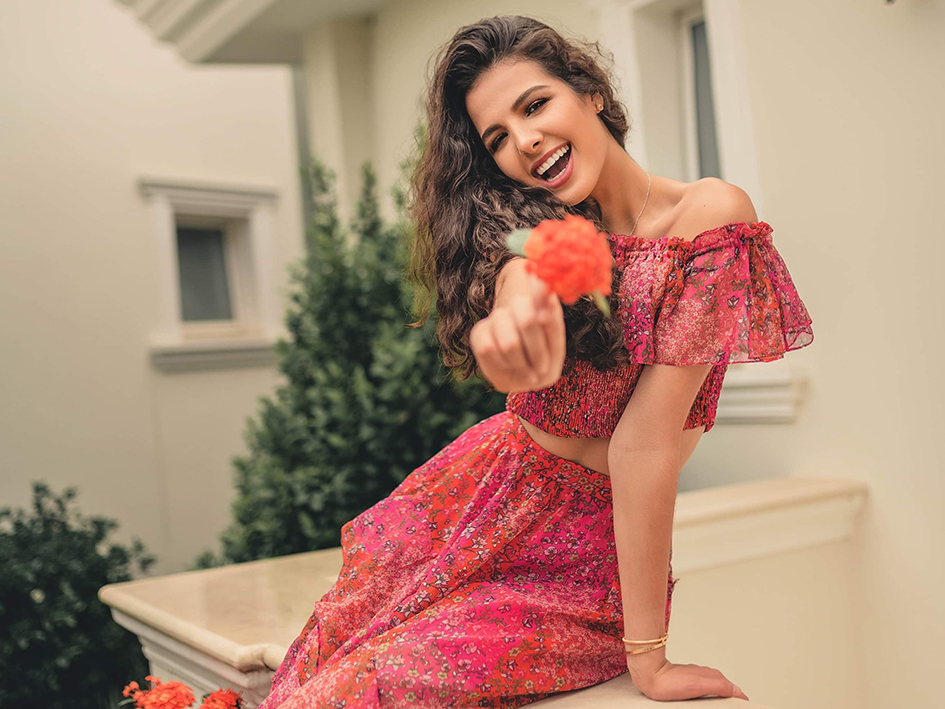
[(709, 203)]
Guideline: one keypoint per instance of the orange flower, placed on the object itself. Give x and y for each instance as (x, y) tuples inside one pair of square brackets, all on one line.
[(223, 699), (169, 695), (130, 688), (572, 257)]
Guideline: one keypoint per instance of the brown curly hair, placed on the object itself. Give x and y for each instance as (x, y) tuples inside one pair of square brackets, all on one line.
[(462, 205)]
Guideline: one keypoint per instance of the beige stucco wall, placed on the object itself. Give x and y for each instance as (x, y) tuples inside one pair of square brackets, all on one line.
[(848, 106), (91, 102), (766, 623)]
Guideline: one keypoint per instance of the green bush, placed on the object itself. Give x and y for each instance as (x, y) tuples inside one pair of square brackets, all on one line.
[(59, 646), (367, 398)]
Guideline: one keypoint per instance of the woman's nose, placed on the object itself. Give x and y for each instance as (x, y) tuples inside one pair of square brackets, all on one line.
[(528, 143)]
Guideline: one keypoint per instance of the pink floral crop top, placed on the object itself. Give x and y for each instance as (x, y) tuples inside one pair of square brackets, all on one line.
[(725, 296)]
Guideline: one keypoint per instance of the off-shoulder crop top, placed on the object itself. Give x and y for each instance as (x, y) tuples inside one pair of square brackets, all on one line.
[(725, 296)]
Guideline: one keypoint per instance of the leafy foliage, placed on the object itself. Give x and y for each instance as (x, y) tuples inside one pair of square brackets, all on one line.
[(367, 400), (59, 646)]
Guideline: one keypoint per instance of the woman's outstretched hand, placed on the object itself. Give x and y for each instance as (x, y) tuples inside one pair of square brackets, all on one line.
[(668, 682), (521, 346)]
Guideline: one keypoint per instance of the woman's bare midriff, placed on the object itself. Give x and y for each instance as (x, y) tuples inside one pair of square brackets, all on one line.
[(589, 452), (592, 452)]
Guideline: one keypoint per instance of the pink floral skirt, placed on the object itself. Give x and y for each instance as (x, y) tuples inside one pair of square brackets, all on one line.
[(488, 578)]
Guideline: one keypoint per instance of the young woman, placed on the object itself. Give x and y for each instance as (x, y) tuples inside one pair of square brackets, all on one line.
[(533, 554)]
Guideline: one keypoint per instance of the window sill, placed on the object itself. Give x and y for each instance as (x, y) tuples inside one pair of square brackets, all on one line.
[(215, 353), (770, 392)]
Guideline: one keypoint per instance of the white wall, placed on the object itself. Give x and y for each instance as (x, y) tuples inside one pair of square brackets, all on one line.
[(848, 100), (89, 103)]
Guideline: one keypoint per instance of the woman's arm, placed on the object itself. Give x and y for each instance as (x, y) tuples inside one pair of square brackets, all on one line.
[(644, 463)]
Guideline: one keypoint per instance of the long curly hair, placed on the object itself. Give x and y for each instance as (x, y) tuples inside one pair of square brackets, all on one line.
[(463, 206)]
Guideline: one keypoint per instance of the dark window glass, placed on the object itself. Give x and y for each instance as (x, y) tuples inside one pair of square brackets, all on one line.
[(705, 109), (204, 291)]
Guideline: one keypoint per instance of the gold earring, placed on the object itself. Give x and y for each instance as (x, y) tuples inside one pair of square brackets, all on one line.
[(600, 108)]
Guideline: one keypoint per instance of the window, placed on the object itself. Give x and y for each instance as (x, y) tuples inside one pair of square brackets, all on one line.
[(214, 246), (703, 145), (682, 68), (202, 270)]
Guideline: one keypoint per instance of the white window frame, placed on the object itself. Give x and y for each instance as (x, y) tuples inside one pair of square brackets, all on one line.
[(247, 215), (757, 392), (687, 19)]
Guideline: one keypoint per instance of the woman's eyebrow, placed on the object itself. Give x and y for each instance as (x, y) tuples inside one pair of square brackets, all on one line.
[(518, 102)]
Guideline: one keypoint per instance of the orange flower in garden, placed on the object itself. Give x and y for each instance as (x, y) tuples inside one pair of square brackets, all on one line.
[(167, 695), (570, 255), (130, 688), (222, 699), (177, 695)]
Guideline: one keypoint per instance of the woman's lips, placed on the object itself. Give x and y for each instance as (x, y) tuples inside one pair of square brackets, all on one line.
[(546, 156), (565, 173)]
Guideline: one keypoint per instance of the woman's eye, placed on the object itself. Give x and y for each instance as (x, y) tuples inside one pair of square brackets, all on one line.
[(528, 112)]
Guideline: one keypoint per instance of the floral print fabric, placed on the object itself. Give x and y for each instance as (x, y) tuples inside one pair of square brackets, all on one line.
[(488, 578), (724, 296)]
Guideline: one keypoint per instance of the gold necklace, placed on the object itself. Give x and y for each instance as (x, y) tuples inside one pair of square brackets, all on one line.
[(633, 231)]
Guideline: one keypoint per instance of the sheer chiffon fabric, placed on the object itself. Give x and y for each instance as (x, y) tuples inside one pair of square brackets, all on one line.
[(488, 578), (726, 296)]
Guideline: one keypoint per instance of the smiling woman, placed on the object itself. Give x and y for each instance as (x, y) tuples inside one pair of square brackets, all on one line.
[(537, 136), (533, 554)]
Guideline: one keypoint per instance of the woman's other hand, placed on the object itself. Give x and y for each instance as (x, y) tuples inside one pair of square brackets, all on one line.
[(520, 345), (665, 681)]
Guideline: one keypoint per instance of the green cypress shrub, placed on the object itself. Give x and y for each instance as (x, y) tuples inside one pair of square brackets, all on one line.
[(59, 646), (367, 399)]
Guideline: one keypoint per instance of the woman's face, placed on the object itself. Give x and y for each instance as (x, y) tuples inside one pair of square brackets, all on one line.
[(525, 117)]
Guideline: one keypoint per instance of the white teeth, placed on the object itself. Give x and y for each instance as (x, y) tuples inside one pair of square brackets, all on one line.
[(552, 160)]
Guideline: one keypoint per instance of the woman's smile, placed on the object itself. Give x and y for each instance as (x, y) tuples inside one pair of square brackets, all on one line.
[(558, 172)]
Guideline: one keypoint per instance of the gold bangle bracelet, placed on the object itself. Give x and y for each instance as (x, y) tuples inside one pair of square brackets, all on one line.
[(644, 642), (646, 649)]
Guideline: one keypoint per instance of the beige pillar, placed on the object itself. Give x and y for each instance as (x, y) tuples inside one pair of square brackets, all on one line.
[(336, 56)]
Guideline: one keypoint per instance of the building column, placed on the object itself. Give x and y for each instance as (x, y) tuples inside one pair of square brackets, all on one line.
[(336, 60)]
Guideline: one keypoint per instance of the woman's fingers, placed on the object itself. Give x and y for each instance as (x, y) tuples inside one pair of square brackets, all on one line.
[(507, 341), (491, 360), (717, 683), (532, 336), (679, 682), (521, 346), (550, 315), (555, 330)]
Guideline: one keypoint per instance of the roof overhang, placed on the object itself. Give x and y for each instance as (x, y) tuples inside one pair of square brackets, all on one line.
[(241, 31)]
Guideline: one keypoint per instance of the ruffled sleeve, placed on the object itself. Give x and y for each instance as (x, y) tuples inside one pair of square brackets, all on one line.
[(725, 296)]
